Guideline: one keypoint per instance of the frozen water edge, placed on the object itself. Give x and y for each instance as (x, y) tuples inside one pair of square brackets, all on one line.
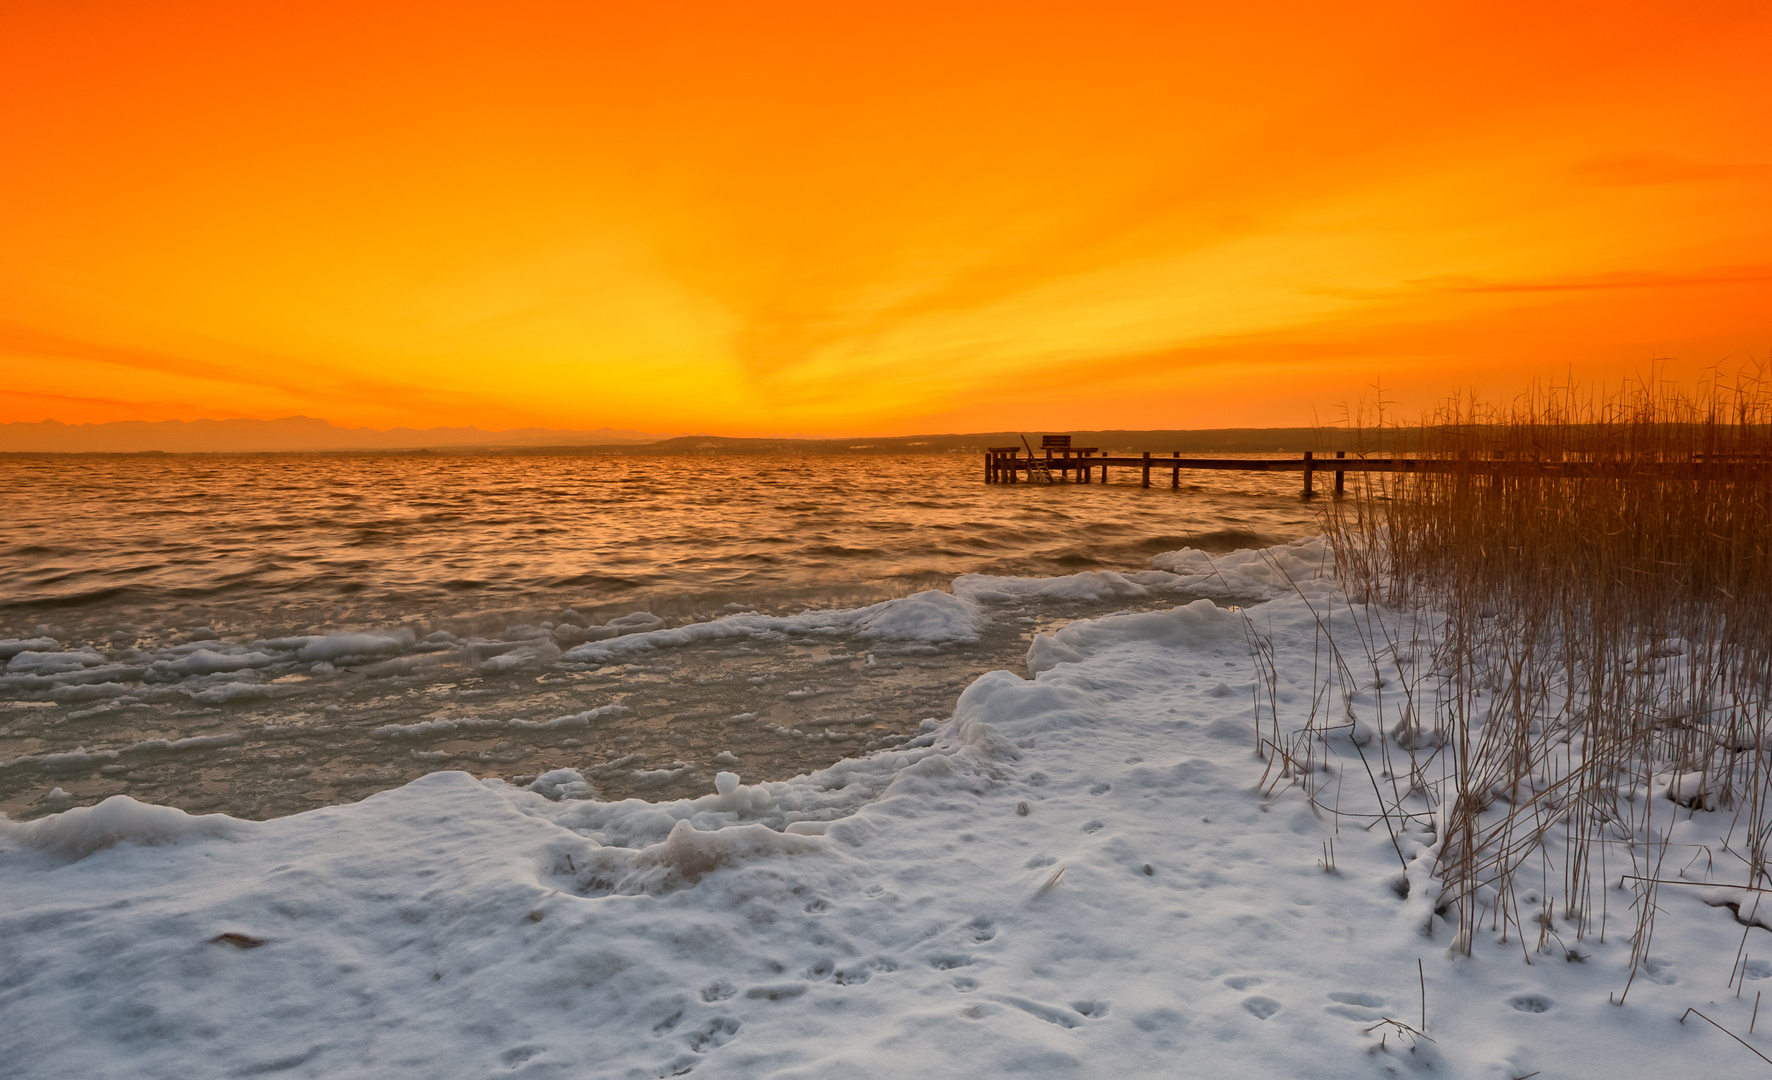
[(1072, 876), (267, 726)]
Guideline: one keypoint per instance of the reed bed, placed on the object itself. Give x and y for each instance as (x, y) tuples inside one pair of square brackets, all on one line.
[(1577, 629)]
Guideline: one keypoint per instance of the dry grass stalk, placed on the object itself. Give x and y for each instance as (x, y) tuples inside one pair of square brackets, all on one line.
[(1602, 646)]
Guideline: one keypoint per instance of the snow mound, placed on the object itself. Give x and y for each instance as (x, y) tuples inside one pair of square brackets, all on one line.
[(1252, 573), (686, 856), (933, 616), (563, 784), (1198, 625), (83, 830)]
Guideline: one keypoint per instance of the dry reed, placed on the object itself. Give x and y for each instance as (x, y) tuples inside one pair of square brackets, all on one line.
[(1580, 620)]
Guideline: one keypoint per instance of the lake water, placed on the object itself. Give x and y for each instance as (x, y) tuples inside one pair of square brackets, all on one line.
[(264, 634)]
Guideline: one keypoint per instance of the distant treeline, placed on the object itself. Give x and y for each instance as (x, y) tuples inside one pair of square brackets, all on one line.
[(1210, 440)]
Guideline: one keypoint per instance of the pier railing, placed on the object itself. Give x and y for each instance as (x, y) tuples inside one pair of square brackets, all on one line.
[(1005, 465)]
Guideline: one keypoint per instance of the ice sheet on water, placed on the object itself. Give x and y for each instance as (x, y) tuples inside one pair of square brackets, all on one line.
[(579, 719), (11, 647), (207, 662), (932, 617), (222, 693), (31, 662), (335, 647), (468, 723), (82, 756), (432, 727), (40, 669), (1093, 585)]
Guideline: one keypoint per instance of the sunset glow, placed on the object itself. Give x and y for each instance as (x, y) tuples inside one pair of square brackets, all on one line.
[(817, 219)]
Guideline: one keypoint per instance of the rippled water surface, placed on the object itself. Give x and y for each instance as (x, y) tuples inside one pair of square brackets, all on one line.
[(265, 634)]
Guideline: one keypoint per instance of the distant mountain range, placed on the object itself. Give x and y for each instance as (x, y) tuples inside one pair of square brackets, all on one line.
[(304, 433), (289, 433)]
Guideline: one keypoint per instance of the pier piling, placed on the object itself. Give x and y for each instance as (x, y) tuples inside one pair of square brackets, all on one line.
[(1006, 465)]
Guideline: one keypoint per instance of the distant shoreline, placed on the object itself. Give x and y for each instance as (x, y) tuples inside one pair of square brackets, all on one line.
[(1207, 440)]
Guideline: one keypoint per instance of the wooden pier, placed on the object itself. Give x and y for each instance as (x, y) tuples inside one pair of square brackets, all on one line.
[(1006, 465)]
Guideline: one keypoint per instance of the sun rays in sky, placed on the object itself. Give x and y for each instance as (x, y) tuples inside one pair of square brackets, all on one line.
[(825, 219)]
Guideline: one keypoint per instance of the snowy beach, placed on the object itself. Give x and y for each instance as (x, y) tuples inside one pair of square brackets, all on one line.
[(885, 541), (1080, 873)]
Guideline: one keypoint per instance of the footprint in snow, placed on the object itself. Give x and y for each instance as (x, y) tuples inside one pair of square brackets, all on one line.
[(1039, 1010), (1093, 826), (1243, 982), (856, 974), (682, 1066), (1101, 789), (715, 1033), (1261, 1007), (1660, 971), (1356, 1005), (517, 1055), (1531, 1003)]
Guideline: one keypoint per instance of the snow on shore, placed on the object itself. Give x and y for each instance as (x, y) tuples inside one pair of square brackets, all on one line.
[(1073, 876)]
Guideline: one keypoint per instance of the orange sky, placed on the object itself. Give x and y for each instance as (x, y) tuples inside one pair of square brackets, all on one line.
[(830, 219)]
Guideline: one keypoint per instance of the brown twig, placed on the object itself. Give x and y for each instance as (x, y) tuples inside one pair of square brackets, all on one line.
[(1724, 1030)]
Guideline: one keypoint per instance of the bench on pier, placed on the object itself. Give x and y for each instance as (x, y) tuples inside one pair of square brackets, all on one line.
[(1004, 464), (1069, 457)]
